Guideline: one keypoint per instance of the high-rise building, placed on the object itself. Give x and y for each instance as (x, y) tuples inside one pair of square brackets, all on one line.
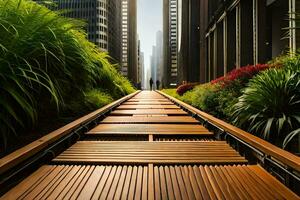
[(129, 40), (188, 40), (140, 70), (245, 32), (159, 53), (103, 19), (156, 58), (142, 74), (170, 43), (153, 63)]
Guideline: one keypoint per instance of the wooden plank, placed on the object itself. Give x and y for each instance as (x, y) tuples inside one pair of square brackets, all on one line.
[(132, 183), (108, 183), (127, 183), (145, 183), (101, 184), (262, 145), (150, 119), (273, 183), (116, 180), (148, 103), (162, 178), (149, 128), (139, 184), (150, 181), (91, 184), (133, 107), (148, 112), (147, 100), (150, 152), (118, 191), (157, 187)]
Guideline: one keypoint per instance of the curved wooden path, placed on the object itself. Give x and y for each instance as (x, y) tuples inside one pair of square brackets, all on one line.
[(150, 148)]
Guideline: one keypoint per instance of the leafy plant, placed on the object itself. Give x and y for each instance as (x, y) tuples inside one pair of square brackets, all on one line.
[(96, 99), (204, 96), (270, 105), (185, 87), (227, 97), (46, 61), (243, 74)]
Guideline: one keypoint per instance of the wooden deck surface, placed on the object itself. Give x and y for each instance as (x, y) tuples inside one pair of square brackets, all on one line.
[(149, 148)]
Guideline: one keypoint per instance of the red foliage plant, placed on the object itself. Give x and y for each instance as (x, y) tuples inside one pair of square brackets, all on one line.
[(185, 87), (243, 73)]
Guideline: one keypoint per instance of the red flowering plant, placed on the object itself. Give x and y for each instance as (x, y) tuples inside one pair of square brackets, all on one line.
[(242, 74), (185, 87)]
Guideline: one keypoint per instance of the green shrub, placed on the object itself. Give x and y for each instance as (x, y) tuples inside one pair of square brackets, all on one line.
[(204, 96), (45, 62), (270, 105), (171, 92), (227, 97), (96, 99)]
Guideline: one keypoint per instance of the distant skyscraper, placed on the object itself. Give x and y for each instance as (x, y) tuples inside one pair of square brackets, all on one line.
[(153, 63), (140, 70), (159, 50), (142, 74), (103, 22), (157, 58), (129, 40), (170, 42)]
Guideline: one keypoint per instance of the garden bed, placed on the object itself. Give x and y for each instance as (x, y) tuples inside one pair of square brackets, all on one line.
[(263, 100)]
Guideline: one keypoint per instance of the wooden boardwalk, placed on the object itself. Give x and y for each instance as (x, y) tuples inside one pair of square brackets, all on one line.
[(150, 148)]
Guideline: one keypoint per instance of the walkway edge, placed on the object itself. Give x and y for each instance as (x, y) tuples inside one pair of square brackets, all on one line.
[(281, 155), (31, 149)]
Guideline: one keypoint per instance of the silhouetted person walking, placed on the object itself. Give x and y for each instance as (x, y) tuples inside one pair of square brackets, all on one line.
[(151, 83), (157, 84)]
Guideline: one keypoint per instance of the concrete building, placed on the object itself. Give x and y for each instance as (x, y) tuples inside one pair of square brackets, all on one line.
[(242, 32), (170, 43), (181, 25), (140, 70), (103, 19), (188, 40), (153, 63), (156, 59), (159, 53), (129, 40)]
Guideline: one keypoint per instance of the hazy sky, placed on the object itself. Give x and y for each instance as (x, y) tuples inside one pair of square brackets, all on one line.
[(149, 22)]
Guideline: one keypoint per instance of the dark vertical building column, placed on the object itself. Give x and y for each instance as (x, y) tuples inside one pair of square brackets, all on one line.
[(132, 36), (231, 40), (166, 45), (194, 41), (297, 10), (261, 30), (203, 11), (211, 56), (183, 48), (246, 34), (220, 49)]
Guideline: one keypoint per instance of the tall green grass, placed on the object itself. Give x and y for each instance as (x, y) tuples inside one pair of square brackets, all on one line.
[(46, 60)]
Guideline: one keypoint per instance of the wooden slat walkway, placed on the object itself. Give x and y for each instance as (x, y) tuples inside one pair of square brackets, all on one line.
[(134, 107), (149, 148), (149, 112), (150, 119), (150, 182), (150, 128), (150, 152)]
